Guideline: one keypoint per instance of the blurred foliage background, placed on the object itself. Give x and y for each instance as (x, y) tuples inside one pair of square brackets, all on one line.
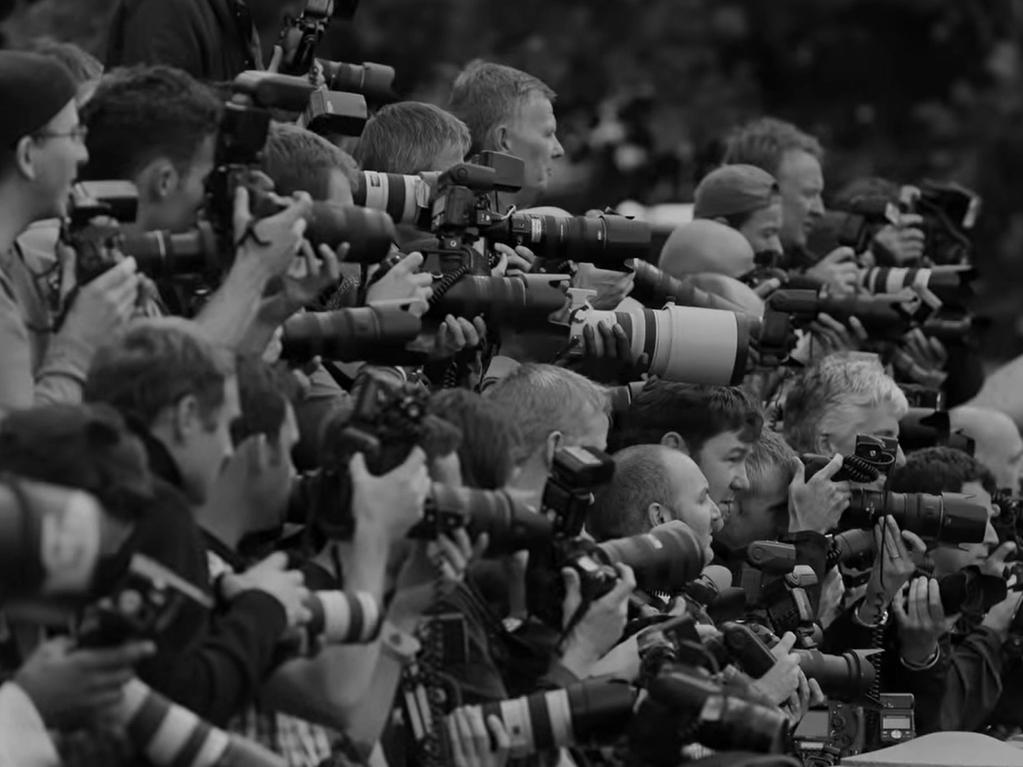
[(906, 89)]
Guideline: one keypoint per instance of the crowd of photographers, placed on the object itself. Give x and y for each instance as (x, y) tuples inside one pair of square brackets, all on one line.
[(320, 446)]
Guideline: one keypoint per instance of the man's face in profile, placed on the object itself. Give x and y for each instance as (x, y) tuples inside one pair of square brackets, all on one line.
[(532, 137), (763, 228), (801, 182)]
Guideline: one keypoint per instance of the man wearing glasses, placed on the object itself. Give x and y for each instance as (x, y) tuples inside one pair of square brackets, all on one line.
[(42, 147)]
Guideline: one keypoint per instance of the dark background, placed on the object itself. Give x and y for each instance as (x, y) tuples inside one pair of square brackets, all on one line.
[(906, 89)]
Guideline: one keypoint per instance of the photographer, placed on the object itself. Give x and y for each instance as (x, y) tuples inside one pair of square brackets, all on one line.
[(979, 677), (654, 484), (212, 40), (510, 111), (412, 137), (158, 128), (794, 159), (42, 149), (998, 446), (181, 397), (716, 426), (745, 198)]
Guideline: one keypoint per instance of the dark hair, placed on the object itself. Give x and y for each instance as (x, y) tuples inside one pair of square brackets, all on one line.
[(86, 447), (299, 160), (142, 113), (154, 365), (765, 141), (492, 443), (82, 65), (937, 470), (641, 477), (264, 393), (697, 413)]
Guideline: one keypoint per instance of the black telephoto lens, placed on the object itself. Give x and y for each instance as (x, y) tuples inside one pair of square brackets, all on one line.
[(946, 518), (665, 559), (606, 241), (347, 334)]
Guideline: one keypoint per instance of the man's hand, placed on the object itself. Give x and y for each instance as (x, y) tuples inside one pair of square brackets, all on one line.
[(921, 359), (1000, 617), (456, 334), (272, 577), (830, 336), (470, 739), (432, 569), (838, 270), (601, 626), (904, 241), (513, 262), (921, 622), (393, 502), (807, 694), (105, 305), (782, 680), (403, 282), (607, 356), (269, 245), (893, 567), (70, 686), (612, 287), (816, 504), (995, 562)]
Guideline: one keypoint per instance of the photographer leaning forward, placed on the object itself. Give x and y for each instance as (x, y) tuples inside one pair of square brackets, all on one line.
[(212, 40)]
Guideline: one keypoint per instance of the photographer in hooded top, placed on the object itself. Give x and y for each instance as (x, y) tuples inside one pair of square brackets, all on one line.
[(41, 149), (746, 198), (978, 678)]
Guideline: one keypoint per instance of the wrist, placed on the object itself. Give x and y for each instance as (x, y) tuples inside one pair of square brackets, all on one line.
[(919, 657), (578, 657)]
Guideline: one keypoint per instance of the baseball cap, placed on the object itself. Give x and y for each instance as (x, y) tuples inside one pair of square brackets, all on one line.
[(33, 89), (732, 190)]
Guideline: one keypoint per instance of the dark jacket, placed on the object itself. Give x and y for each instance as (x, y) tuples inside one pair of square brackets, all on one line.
[(212, 665), (212, 40)]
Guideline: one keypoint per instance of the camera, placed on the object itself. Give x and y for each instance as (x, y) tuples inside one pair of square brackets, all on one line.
[(925, 427), (872, 458), (951, 285), (663, 560), (848, 676), (369, 79), (775, 588), (825, 735), (406, 199), (521, 302), (683, 343), (971, 591), (361, 333), (568, 493), (594, 710), (655, 287), (945, 518)]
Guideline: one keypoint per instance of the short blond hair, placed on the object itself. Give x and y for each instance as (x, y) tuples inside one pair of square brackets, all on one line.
[(832, 391)]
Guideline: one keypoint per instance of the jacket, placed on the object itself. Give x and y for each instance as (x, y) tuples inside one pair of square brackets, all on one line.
[(212, 40)]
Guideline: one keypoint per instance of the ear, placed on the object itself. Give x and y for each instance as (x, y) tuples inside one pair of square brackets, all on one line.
[(23, 158), (159, 179), (185, 418), (823, 445), (657, 515), (554, 441), (501, 138), (674, 440)]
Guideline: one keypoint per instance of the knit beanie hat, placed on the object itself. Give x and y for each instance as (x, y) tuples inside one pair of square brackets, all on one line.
[(33, 89), (732, 190)]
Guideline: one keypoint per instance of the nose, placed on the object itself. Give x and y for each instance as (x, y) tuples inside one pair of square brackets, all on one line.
[(774, 243), (740, 481), (990, 536), (716, 519), (817, 206), (557, 150)]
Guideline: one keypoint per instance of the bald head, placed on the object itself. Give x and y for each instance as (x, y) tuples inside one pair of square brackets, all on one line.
[(999, 446), (706, 246), (653, 484)]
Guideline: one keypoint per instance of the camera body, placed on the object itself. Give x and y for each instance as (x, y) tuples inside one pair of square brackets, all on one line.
[(825, 735), (775, 587), (143, 604), (96, 209)]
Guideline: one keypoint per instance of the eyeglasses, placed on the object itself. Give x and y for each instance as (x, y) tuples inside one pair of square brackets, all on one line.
[(77, 133)]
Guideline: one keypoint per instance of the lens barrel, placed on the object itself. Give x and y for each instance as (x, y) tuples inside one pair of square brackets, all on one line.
[(665, 559), (347, 334)]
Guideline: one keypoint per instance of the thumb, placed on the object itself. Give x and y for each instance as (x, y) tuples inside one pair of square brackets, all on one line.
[(357, 467), (833, 467), (411, 262), (241, 215), (839, 255), (798, 469), (415, 461), (571, 577), (276, 561), (275, 60), (766, 288), (785, 644)]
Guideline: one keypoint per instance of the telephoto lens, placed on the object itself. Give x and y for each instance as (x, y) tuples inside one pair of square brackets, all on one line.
[(605, 241), (593, 711), (945, 518), (509, 524), (406, 199), (372, 80), (338, 617), (521, 302), (951, 284), (850, 546), (347, 335), (665, 559), (718, 720), (653, 287), (846, 677), (161, 255), (171, 735), (683, 343)]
